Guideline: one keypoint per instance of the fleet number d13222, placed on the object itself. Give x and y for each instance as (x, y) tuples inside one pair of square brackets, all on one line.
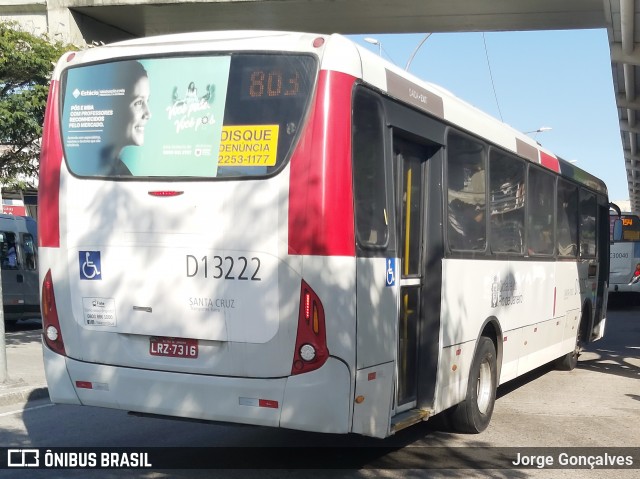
[(228, 267)]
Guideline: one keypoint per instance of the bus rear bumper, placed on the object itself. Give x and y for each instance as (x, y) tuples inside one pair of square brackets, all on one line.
[(316, 401), (59, 383)]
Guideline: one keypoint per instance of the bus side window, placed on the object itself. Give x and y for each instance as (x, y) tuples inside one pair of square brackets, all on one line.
[(466, 197), (567, 219), (30, 256), (588, 214), (9, 251), (541, 192), (372, 224), (506, 180)]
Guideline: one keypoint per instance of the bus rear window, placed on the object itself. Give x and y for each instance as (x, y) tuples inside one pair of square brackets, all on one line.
[(214, 116)]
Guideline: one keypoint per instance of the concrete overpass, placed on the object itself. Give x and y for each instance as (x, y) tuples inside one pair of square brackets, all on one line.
[(110, 20), (87, 21)]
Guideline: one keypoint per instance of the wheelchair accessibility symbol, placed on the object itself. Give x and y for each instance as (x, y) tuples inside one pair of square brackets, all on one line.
[(391, 272), (90, 265)]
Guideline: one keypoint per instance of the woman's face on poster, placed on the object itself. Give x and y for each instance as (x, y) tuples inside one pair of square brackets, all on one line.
[(138, 113)]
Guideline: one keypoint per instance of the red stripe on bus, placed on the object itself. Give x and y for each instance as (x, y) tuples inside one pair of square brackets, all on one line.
[(320, 190), (49, 180), (550, 162)]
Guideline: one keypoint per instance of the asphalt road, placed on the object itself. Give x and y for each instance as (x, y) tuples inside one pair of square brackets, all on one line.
[(595, 406)]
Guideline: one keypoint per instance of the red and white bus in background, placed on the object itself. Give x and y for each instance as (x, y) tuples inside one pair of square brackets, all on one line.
[(283, 229)]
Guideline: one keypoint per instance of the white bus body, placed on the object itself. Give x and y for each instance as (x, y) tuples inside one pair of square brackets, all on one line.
[(320, 290)]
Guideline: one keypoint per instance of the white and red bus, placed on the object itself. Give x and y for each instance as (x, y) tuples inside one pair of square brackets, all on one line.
[(624, 271), (283, 229)]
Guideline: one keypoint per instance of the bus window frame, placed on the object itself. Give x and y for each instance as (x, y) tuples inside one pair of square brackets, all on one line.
[(387, 175), (584, 191), (304, 119), (575, 187), (551, 177), (492, 153), (460, 252)]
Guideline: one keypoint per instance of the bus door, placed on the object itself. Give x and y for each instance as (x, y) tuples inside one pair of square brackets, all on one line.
[(411, 160)]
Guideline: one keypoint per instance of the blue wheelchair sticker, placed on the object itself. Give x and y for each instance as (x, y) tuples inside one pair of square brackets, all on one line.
[(90, 267), (391, 272)]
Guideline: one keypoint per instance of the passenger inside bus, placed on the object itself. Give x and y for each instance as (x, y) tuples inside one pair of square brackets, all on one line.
[(507, 193), (9, 253), (467, 214)]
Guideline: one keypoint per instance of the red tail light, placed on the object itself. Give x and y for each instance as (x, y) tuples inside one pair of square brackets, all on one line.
[(311, 350), (50, 323), (164, 194)]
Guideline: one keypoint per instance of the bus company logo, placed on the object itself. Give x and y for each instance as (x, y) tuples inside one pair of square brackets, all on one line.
[(211, 304), (23, 458), (113, 92), (506, 292), (98, 303), (202, 304), (495, 292)]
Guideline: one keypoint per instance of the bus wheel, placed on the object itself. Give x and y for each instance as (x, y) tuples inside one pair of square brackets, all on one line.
[(569, 361), (474, 413)]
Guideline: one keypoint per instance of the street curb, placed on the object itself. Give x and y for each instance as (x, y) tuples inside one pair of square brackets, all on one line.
[(18, 395)]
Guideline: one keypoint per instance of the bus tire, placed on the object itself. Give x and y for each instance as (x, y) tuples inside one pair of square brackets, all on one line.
[(569, 361), (474, 413)]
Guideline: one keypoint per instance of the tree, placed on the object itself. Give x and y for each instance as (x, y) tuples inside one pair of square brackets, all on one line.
[(26, 64)]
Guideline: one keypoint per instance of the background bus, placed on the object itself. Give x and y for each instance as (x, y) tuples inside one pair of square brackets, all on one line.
[(19, 263), (283, 229), (625, 254)]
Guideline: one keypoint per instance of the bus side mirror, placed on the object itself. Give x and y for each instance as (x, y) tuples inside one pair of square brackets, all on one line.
[(617, 230)]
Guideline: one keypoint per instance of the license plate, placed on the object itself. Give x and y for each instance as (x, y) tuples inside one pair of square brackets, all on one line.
[(173, 347)]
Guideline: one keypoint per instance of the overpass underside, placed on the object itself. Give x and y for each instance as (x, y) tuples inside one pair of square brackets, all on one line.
[(151, 17)]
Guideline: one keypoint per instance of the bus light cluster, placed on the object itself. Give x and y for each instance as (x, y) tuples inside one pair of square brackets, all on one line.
[(50, 322), (311, 350)]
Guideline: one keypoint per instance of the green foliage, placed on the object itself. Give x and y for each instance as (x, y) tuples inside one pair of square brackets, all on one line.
[(26, 64)]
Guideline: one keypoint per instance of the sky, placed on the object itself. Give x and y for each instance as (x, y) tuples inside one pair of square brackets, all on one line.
[(558, 79)]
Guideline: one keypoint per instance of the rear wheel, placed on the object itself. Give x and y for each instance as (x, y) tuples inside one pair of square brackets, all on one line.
[(474, 413), (569, 361)]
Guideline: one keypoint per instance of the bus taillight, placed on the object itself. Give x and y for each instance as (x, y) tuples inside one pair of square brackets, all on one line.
[(50, 323), (311, 350)]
